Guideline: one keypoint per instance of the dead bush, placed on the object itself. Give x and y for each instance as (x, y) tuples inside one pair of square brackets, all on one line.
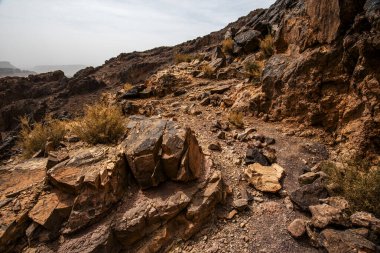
[(178, 58), (236, 119), (101, 124), (254, 69), (357, 182), (208, 71), (267, 46), (33, 137), (228, 46), (127, 86)]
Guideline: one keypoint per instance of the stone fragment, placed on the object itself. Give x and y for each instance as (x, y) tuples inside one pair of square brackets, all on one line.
[(297, 228), (309, 195), (215, 147), (52, 210), (254, 155), (265, 178), (324, 214), (335, 241), (367, 220), (308, 178)]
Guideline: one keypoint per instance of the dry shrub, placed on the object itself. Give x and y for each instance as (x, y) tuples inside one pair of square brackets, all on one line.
[(208, 71), (101, 123), (357, 183), (254, 69), (228, 46), (236, 118), (33, 138), (127, 86), (267, 46), (178, 58)]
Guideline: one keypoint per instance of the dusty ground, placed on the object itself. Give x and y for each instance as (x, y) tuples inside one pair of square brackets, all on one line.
[(262, 227)]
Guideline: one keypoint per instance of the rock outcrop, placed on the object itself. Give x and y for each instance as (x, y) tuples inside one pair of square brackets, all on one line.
[(162, 184)]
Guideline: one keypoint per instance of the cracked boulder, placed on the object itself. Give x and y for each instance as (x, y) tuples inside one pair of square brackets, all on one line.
[(335, 241), (96, 177), (333, 211), (159, 149), (265, 178)]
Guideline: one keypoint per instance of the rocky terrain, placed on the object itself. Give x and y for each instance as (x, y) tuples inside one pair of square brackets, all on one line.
[(215, 157)]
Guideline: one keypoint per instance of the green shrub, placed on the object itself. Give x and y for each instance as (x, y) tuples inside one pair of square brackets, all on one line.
[(228, 46), (357, 182), (33, 138), (267, 46), (101, 123)]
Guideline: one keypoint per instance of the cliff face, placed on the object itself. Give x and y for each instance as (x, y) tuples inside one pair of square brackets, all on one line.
[(326, 70)]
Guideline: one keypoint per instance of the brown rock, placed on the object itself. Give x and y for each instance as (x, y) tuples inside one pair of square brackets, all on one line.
[(97, 175), (265, 178), (335, 241), (308, 178), (52, 210), (143, 151), (215, 147), (309, 194), (367, 220), (297, 228)]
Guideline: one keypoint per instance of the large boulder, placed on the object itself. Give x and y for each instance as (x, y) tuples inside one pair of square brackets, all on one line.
[(335, 241), (309, 194), (96, 176), (158, 149), (249, 40)]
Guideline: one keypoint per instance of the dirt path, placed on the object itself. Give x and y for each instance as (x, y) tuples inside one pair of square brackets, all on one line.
[(262, 227)]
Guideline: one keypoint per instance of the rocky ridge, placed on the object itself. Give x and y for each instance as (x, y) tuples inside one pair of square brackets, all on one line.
[(317, 98)]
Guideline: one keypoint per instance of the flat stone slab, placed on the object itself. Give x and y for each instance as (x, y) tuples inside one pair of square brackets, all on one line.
[(265, 178)]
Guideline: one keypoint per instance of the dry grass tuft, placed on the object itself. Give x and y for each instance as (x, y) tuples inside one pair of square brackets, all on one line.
[(33, 138), (254, 69), (178, 58), (101, 124), (357, 182), (228, 46), (127, 86), (236, 118), (267, 46), (208, 71)]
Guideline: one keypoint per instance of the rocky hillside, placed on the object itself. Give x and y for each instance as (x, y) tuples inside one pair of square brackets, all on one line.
[(261, 137)]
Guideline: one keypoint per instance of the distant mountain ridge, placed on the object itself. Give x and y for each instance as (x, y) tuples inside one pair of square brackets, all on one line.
[(7, 69), (6, 65)]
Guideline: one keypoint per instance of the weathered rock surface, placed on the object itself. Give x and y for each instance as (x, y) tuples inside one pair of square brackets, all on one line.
[(332, 213), (159, 149), (96, 176), (367, 220), (335, 241), (77, 207), (297, 228), (265, 178), (309, 195)]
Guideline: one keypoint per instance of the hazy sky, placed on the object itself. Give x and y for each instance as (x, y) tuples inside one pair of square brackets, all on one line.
[(57, 32)]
